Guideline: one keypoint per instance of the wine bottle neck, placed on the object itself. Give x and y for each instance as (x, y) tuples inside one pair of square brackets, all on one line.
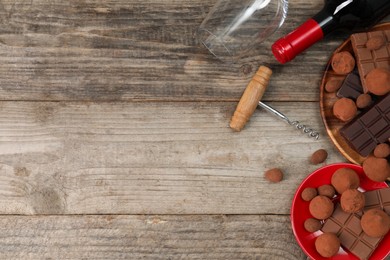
[(326, 22), (286, 48)]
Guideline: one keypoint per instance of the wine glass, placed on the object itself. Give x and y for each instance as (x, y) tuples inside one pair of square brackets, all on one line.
[(234, 27)]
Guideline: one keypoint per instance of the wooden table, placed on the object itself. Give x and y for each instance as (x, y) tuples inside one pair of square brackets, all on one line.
[(114, 138)]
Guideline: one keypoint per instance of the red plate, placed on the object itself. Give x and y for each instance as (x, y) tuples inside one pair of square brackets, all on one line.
[(300, 212)]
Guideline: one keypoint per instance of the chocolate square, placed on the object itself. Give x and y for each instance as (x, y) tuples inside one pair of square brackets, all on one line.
[(378, 199), (332, 226), (362, 250), (347, 239)]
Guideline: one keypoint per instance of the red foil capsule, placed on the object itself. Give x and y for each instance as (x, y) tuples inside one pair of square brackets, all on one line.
[(285, 49)]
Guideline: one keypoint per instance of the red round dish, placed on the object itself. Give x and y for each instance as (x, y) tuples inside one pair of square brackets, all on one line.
[(300, 212)]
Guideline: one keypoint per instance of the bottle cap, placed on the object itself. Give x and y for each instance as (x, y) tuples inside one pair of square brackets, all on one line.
[(283, 51)]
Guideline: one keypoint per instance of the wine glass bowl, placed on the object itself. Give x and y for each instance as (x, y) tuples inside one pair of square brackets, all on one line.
[(233, 27)]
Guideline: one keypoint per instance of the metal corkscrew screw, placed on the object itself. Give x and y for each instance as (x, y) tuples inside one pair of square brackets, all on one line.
[(305, 129)]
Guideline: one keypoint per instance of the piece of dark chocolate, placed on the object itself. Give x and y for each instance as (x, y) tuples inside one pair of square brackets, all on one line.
[(378, 199), (368, 58), (370, 128), (347, 227), (351, 86)]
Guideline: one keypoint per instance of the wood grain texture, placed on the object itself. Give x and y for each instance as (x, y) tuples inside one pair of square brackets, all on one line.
[(150, 158), (114, 137), (138, 50), (148, 237)]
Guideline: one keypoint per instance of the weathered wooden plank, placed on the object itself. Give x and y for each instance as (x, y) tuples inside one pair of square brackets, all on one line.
[(150, 158), (147, 237), (138, 50)]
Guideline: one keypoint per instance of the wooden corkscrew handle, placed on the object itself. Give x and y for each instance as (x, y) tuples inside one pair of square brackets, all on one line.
[(251, 97)]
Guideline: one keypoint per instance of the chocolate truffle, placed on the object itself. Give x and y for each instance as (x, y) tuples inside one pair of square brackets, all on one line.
[(326, 190), (274, 175), (352, 201), (327, 244), (376, 169), (378, 81), (344, 179), (312, 225), (382, 150), (319, 156), (308, 194), (333, 85), (375, 223), (363, 101), (321, 207), (344, 109), (375, 43), (343, 63)]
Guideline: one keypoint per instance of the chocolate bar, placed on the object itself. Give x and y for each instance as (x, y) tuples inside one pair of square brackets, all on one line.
[(370, 128), (378, 199), (351, 86), (368, 58), (347, 227)]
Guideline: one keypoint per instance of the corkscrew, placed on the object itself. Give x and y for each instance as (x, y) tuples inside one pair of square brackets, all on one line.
[(251, 99), (305, 129)]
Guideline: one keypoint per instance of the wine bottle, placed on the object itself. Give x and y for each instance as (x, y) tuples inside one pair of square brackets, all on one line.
[(351, 15)]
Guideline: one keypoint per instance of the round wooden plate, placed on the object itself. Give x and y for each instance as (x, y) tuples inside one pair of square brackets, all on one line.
[(332, 124)]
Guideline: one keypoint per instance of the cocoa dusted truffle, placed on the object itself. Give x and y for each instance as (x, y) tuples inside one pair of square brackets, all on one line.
[(321, 207), (274, 175), (327, 244), (308, 194), (376, 169), (326, 190), (375, 43), (363, 101), (375, 223), (382, 150), (378, 81), (312, 225), (344, 179), (343, 62), (344, 109), (319, 156), (352, 201), (333, 85)]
